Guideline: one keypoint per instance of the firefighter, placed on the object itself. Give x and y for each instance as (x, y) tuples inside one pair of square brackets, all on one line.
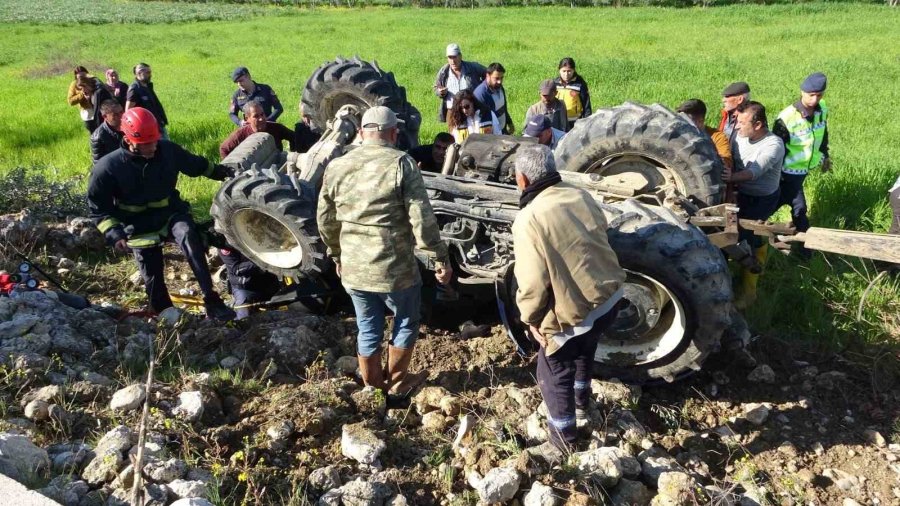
[(134, 203)]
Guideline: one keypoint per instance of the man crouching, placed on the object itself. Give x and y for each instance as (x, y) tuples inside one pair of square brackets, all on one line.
[(570, 284)]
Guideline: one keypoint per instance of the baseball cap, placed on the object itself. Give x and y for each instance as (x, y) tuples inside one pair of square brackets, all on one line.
[(536, 125), (379, 118), (814, 83), (548, 87), (238, 72), (453, 49)]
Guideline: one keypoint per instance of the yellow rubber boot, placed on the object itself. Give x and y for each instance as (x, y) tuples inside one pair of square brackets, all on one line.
[(750, 280)]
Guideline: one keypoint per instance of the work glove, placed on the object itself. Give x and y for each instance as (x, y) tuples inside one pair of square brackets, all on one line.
[(221, 172)]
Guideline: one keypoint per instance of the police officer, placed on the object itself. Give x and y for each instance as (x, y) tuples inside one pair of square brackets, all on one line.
[(133, 201), (373, 212), (250, 90), (803, 126)]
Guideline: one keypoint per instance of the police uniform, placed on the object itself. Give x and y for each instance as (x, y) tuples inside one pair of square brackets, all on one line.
[(805, 137), (134, 198), (263, 94)]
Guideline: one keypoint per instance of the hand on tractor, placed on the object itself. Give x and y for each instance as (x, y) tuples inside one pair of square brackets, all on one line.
[(826, 165), (122, 245), (536, 334), (443, 274)]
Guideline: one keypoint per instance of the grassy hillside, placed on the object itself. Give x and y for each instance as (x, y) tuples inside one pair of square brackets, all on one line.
[(638, 54)]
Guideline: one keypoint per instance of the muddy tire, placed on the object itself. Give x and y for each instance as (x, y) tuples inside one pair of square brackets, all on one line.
[(679, 289), (647, 147), (341, 82), (264, 215)]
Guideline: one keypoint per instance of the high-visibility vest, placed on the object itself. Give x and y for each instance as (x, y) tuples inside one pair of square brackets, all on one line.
[(570, 94), (802, 151)]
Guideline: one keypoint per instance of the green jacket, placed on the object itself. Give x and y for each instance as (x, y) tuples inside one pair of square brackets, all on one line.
[(373, 213)]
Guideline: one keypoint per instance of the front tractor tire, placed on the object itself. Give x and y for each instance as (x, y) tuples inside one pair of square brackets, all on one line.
[(272, 222), (646, 148)]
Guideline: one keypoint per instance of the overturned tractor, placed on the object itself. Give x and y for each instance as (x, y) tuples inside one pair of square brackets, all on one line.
[(653, 174)]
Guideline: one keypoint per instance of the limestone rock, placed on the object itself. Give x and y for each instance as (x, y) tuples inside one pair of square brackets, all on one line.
[(37, 410), (347, 365), (676, 489), (630, 493), (361, 444), (756, 413), (325, 478), (108, 457), (166, 470), (365, 493), (434, 421), (499, 485), (193, 501), (540, 495), (20, 459), (872, 436), (187, 488), (762, 374), (429, 398), (128, 398), (190, 405), (602, 464), (279, 431), (613, 391)]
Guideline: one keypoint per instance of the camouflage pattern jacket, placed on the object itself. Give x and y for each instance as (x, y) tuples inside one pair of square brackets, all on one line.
[(373, 212)]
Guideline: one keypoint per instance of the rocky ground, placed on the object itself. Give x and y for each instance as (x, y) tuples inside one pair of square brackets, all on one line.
[(271, 411)]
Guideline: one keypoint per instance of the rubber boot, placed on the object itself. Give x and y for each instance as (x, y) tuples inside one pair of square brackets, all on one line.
[(749, 280), (371, 371), (399, 378)]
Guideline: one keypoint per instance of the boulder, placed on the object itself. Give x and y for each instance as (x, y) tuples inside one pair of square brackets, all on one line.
[(164, 471), (187, 488), (20, 459), (325, 478), (365, 493)]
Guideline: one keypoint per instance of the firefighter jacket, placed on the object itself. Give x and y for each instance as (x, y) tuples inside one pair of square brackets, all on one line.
[(805, 137), (373, 213), (132, 197)]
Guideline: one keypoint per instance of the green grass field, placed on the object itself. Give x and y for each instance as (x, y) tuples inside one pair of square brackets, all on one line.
[(638, 54)]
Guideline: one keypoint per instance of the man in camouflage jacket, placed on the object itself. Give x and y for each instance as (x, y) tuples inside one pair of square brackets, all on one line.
[(373, 213)]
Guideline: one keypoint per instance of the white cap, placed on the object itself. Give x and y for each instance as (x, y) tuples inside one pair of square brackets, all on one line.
[(453, 49), (379, 118)]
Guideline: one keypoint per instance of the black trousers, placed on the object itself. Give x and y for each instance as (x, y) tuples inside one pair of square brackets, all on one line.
[(792, 194), (565, 380), (755, 208), (183, 232)]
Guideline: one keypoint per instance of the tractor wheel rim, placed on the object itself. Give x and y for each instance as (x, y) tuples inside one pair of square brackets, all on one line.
[(267, 238), (643, 173), (652, 326)]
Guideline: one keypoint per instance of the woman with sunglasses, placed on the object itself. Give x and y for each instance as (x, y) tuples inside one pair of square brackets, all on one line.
[(469, 116)]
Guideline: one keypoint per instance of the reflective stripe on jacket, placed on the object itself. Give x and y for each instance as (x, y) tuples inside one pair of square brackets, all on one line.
[(802, 151)]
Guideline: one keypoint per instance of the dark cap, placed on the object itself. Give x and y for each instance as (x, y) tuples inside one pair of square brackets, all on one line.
[(814, 83), (548, 87), (536, 125), (692, 107), (238, 72), (738, 88)]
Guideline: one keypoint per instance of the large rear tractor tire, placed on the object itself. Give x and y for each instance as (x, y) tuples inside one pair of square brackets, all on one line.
[(679, 293), (264, 215), (363, 84), (646, 148)]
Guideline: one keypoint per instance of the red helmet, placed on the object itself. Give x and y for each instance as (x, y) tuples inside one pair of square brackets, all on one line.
[(140, 126)]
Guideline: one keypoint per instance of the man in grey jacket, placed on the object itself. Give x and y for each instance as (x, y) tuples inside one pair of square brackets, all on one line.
[(457, 75)]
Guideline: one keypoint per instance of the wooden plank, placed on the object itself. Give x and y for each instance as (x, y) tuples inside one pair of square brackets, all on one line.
[(882, 247)]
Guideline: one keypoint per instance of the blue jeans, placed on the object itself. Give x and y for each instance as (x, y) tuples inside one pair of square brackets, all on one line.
[(369, 308)]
